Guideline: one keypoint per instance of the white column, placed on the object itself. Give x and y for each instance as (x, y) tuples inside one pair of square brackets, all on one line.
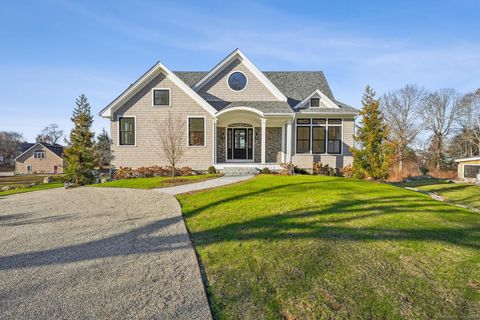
[(214, 139), (289, 141), (283, 143), (264, 132)]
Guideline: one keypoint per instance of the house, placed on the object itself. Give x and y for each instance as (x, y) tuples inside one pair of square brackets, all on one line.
[(235, 116), (468, 169), (40, 158)]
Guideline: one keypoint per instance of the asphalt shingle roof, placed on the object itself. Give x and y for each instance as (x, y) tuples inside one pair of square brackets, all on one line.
[(55, 148), (295, 85)]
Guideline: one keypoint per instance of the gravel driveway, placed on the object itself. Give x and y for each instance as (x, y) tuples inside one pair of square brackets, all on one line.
[(92, 253)]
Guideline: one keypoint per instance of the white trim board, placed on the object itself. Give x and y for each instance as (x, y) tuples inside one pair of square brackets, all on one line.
[(158, 68), (323, 99), (237, 54)]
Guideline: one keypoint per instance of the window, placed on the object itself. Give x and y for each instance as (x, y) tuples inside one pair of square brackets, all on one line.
[(319, 136), (318, 139), (127, 131), (161, 97), (470, 171), (29, 168), (237, 81), (303, 139), (196, 132), (334, 139), (314, 102), (303, 121), (39, 154)]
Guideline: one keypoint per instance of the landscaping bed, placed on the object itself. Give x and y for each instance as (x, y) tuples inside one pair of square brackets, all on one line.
[(304, 247), (155, 182)]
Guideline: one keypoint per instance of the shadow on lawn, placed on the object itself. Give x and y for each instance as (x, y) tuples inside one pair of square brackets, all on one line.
[(325, 222)]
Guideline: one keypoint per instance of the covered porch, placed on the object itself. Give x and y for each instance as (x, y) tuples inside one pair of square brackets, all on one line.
[(247, 137)]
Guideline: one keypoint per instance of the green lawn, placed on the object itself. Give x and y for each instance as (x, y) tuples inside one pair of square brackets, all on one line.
[(156, 182), (305, 247), (458, 193), (34, 188)]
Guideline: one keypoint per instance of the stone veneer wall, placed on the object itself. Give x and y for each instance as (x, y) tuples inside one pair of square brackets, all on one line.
[(221, 134), (273, 145), (257, 137)]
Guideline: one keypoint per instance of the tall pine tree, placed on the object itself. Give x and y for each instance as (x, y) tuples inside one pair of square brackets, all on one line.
[(373, 153), (80, 154)]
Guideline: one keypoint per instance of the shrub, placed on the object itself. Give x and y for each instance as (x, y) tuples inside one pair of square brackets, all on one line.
[(424, 170), (317, 168), (144, 172), (212, 170), (185, 171), (265, 171), (299, 170), (347, 171), (124, 173), (286, 169)]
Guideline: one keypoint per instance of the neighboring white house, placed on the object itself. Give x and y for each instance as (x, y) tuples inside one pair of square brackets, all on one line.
[(235, 116), (468, 168)]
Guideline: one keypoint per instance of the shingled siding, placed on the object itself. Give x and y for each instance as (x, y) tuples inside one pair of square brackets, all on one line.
[(218, 89), (39, 165), (147, 151)]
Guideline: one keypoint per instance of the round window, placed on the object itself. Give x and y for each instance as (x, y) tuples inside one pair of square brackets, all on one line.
[(237, 81)]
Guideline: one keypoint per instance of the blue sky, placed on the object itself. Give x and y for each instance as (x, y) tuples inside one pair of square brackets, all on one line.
[(52, 51)]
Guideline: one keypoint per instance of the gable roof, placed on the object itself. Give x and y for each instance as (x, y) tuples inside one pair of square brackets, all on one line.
[(238, 54), (55, 148), (266, 107), (144, 79)]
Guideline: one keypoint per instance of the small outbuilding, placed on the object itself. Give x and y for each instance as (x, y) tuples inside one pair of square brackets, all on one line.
[(40, 158), (468, 168)]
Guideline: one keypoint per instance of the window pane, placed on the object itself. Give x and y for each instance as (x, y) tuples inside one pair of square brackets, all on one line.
[(334, 140), (315, 102), (334, 121), (471, 171), (303, 121), (319, 121), (196, 129), (318, 139), (127, 131), (161, 97), (237, 81), (303, 139)]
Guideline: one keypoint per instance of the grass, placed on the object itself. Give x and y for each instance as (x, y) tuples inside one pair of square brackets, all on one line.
[(305, 247), (458, 193), (23, 179), (155, 182), (34, 188)]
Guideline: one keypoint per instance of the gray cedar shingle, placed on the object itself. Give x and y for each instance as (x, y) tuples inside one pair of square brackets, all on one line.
[(295, 85)]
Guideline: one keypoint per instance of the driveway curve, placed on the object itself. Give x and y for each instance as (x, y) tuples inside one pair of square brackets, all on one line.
[(97, 253)]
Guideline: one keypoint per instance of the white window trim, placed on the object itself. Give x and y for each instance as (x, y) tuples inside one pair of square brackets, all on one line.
[(226, 145), (319, 102), (31, 168), (118, 131), (39, 151), (204, 131), (228, 77), (162, 105), (326, 125)]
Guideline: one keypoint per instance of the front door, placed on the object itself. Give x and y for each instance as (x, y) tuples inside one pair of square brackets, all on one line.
[(240, 144), (55, 169)]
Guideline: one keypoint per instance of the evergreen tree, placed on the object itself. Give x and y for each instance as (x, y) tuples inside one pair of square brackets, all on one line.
[(80, 154), (103, 149), (373, 153)]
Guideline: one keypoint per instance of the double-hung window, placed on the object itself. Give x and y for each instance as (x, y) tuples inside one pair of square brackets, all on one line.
[(196, 132), (126, 131)]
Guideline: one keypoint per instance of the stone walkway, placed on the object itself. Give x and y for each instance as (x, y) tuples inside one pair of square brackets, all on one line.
[(207, 184)]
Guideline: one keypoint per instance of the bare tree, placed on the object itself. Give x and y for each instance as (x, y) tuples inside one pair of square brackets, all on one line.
[(172, 134), (50, 134), (402, 109), (439, 111), (10, 145), (469, 121)]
